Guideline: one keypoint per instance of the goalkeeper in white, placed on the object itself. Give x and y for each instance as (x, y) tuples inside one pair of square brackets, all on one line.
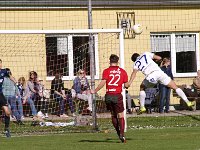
[(153, 75)]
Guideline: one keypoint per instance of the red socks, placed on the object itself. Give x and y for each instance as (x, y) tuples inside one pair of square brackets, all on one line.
[(122, 125), (116, 124), (119, 125)]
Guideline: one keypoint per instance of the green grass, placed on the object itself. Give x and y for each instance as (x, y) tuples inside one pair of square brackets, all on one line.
[(144, 133), (156, 122), (146, 139), (153, 122)]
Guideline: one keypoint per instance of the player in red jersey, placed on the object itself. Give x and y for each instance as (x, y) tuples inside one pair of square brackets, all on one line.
[(114, 77)]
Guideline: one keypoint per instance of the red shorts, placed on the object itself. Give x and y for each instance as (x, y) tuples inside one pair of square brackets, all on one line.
[(114, 103)]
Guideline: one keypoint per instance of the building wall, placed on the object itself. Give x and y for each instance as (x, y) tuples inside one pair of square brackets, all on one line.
[(21, 60)]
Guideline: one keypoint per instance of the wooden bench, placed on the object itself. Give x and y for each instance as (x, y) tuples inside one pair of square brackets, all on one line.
[(193, 98)]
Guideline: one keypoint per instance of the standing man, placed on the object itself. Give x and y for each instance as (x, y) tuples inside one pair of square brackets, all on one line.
[(114, 77), (3, 101), (165, 91), (153, 75)]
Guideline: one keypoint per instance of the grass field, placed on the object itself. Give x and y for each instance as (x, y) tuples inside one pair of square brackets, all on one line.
[(144, 133), (180, 138)]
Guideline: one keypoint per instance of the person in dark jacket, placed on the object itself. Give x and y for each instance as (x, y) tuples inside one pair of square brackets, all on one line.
[(59, 94)]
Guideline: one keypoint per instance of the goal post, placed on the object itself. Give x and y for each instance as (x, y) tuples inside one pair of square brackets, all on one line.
[(28, 50)]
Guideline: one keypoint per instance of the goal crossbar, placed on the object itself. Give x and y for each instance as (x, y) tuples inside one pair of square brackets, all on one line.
[(75, 31)]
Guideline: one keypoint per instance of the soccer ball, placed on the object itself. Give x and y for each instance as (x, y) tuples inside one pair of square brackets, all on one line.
[(137, 28)]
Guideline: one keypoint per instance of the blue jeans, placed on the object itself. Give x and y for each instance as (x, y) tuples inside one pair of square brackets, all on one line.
[(12, 101), (20, 106), (70, 102), (32, 105), (62, 103), (164, 97)]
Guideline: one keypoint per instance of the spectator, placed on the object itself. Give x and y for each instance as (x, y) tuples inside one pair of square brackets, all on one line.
[(21, 87), (196, 80), (70, 101), (165, 91), (11, 93), (59, 94), (30, 92), (42, 102), (80, 88), (191, 90)]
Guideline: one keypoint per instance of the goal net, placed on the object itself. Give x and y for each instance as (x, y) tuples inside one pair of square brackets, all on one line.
[(46, 63)]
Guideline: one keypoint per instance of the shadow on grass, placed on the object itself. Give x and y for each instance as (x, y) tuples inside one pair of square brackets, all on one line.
[(188, 115), (108, 140)]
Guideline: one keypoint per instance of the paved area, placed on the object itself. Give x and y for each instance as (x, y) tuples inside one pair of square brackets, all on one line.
[(155, 114)]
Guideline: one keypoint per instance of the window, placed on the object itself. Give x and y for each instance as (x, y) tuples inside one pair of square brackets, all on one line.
[(182, 48), (66, 54), (57, 56), (81, 54)]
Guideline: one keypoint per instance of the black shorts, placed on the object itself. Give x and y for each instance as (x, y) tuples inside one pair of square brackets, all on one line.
[(114, 103), (3, 101)]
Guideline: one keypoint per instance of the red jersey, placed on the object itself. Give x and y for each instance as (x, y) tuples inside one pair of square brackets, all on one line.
[(115, 77)]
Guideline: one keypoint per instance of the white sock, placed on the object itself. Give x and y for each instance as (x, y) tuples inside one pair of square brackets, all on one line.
[(142, 98), (182, 94)]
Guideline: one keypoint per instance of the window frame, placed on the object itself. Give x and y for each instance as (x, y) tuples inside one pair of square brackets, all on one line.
[(173, 52), (71, 75)]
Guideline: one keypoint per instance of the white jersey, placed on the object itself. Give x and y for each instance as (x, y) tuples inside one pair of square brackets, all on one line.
[(145, 64)]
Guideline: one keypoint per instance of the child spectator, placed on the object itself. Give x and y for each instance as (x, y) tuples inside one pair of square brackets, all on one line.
[(21, 87), (42, 102)]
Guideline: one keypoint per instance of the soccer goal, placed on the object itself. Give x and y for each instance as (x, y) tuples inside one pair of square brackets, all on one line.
[(60, 54)]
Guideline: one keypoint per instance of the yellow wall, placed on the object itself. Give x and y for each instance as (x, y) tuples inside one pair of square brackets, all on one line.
[(22, 60)]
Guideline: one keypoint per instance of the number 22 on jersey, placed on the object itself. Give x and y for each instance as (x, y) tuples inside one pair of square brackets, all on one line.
[(114, 79)]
